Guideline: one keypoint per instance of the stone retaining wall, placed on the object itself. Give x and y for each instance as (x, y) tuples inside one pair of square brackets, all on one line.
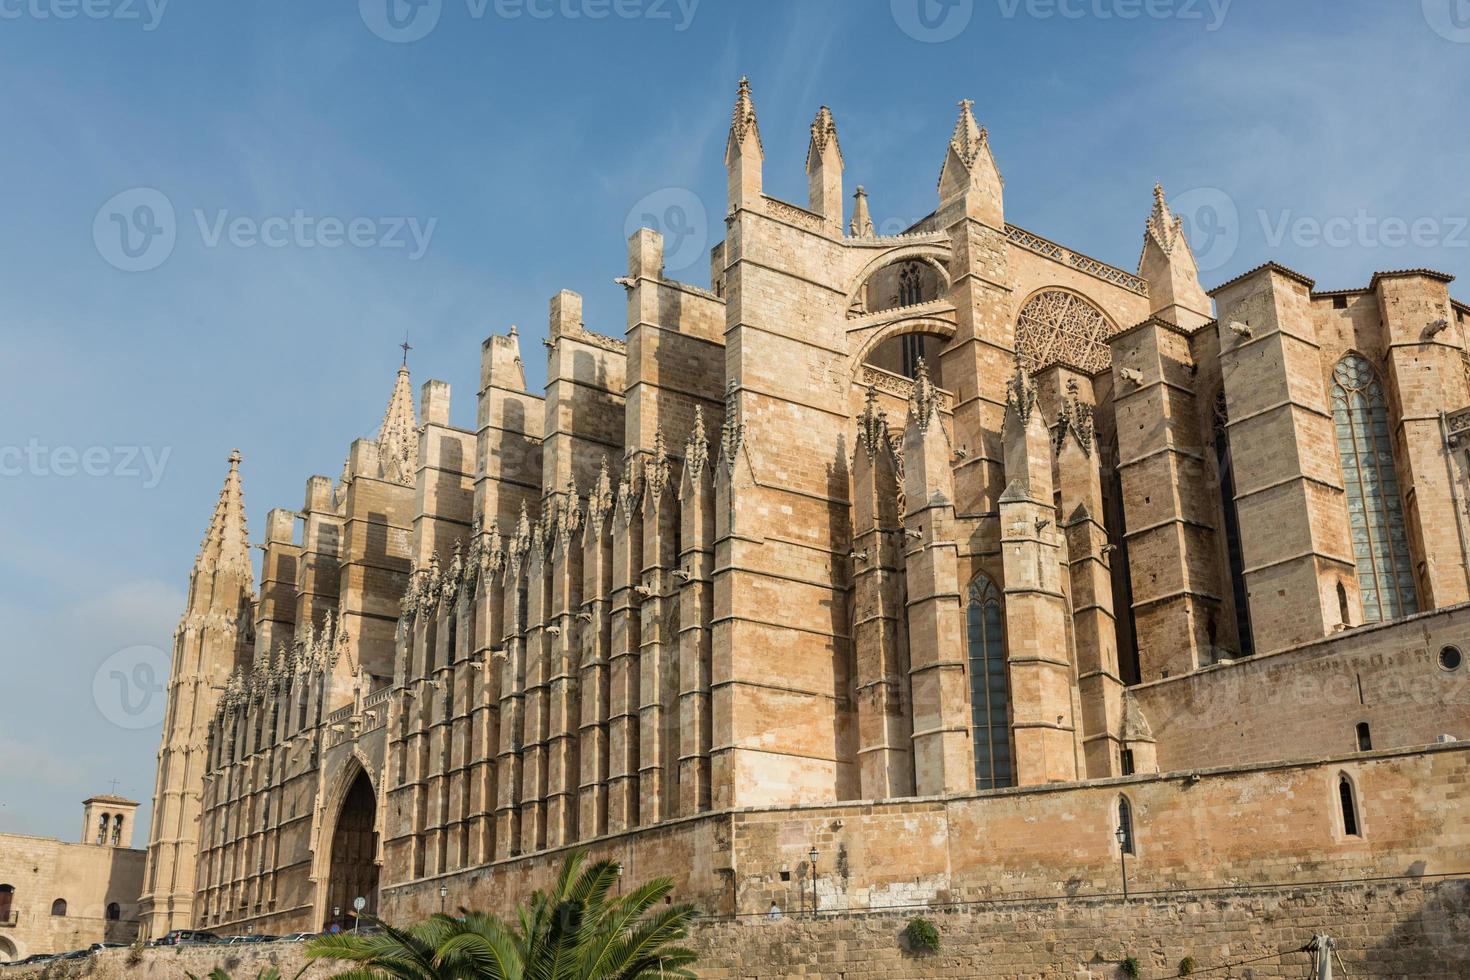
[(1405, 928)]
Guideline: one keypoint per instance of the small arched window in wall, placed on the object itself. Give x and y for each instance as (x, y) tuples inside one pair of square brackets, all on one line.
[(1375, 510), (989, 694), (1234, 553), (114, 912), (58, 907), (1365, 737), (102, 823), (117, 822), (1348, 801), (1125, 825)]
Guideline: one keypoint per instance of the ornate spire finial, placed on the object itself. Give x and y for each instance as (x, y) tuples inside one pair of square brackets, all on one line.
[(824, 133), (862, 222), (1021, 393), (406, 348), (873, 423), (1075, 418), (696, 451), (742, 120), (398, 439), (1164, 227), (226, 544), (732, 432), (924, 404)]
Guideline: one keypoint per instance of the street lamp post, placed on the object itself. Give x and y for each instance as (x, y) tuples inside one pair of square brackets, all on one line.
[(443, 894), (1122, 836), (336, 914), (813, 855)]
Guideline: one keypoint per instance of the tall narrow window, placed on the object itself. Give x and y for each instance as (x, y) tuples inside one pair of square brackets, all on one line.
[(1233, 551), (1125, 824), (117, 822), (102, 828), (1365, 737), (989, 695), (1375, 510), (1349, 807), (910, 286)]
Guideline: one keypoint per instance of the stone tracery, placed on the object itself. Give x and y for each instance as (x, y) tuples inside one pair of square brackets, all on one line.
[(1058, 327)]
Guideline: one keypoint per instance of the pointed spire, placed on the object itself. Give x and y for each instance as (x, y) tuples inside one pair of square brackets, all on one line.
[(1020, 393), (398, 441), (824, 136), (226, 545), (969, 137), (862, 222), (1168, 264), (1165, 228), (742, 122), (600, 499), (872, 424), (924, 404), (1075, 419), (970, 169), (696, 450), (658, 467), (732, 433)]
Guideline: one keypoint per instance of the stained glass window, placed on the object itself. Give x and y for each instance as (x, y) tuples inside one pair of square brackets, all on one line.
[(1375, 510), (989, 693)]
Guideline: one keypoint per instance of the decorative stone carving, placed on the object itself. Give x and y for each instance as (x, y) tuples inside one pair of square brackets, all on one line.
[(1058, 327)]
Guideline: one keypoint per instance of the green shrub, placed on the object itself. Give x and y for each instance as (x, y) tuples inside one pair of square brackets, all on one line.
[(1130, 968), (1186, 966), (922, 935)]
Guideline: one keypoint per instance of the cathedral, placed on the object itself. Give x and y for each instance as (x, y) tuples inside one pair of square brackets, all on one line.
[(885, 571)]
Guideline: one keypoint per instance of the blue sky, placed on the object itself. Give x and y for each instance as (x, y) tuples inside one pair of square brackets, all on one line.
[(518, 135)]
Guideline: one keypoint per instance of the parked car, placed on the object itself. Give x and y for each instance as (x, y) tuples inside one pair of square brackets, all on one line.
[(37, 958), (184, 937), (98, 947), (76, 954), (300, 937)]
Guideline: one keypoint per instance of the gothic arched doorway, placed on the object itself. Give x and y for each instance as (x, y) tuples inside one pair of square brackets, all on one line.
[(353, 872)]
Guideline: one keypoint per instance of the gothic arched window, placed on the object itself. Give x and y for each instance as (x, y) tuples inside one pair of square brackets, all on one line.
[(989, 694), (1347, 800), (1234, 554), (1125, 825), (910, 286), (1375, 510)]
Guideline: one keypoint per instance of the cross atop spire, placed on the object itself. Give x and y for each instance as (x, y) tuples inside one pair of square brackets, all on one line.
[(406, 348)]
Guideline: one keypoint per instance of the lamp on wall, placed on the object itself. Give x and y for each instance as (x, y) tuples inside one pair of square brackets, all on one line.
[(812, 855)]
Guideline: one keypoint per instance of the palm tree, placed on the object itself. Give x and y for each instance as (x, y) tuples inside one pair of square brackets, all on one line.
[(576, 932)]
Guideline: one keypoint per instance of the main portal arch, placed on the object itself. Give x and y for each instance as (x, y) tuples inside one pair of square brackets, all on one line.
[(353, 869)]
